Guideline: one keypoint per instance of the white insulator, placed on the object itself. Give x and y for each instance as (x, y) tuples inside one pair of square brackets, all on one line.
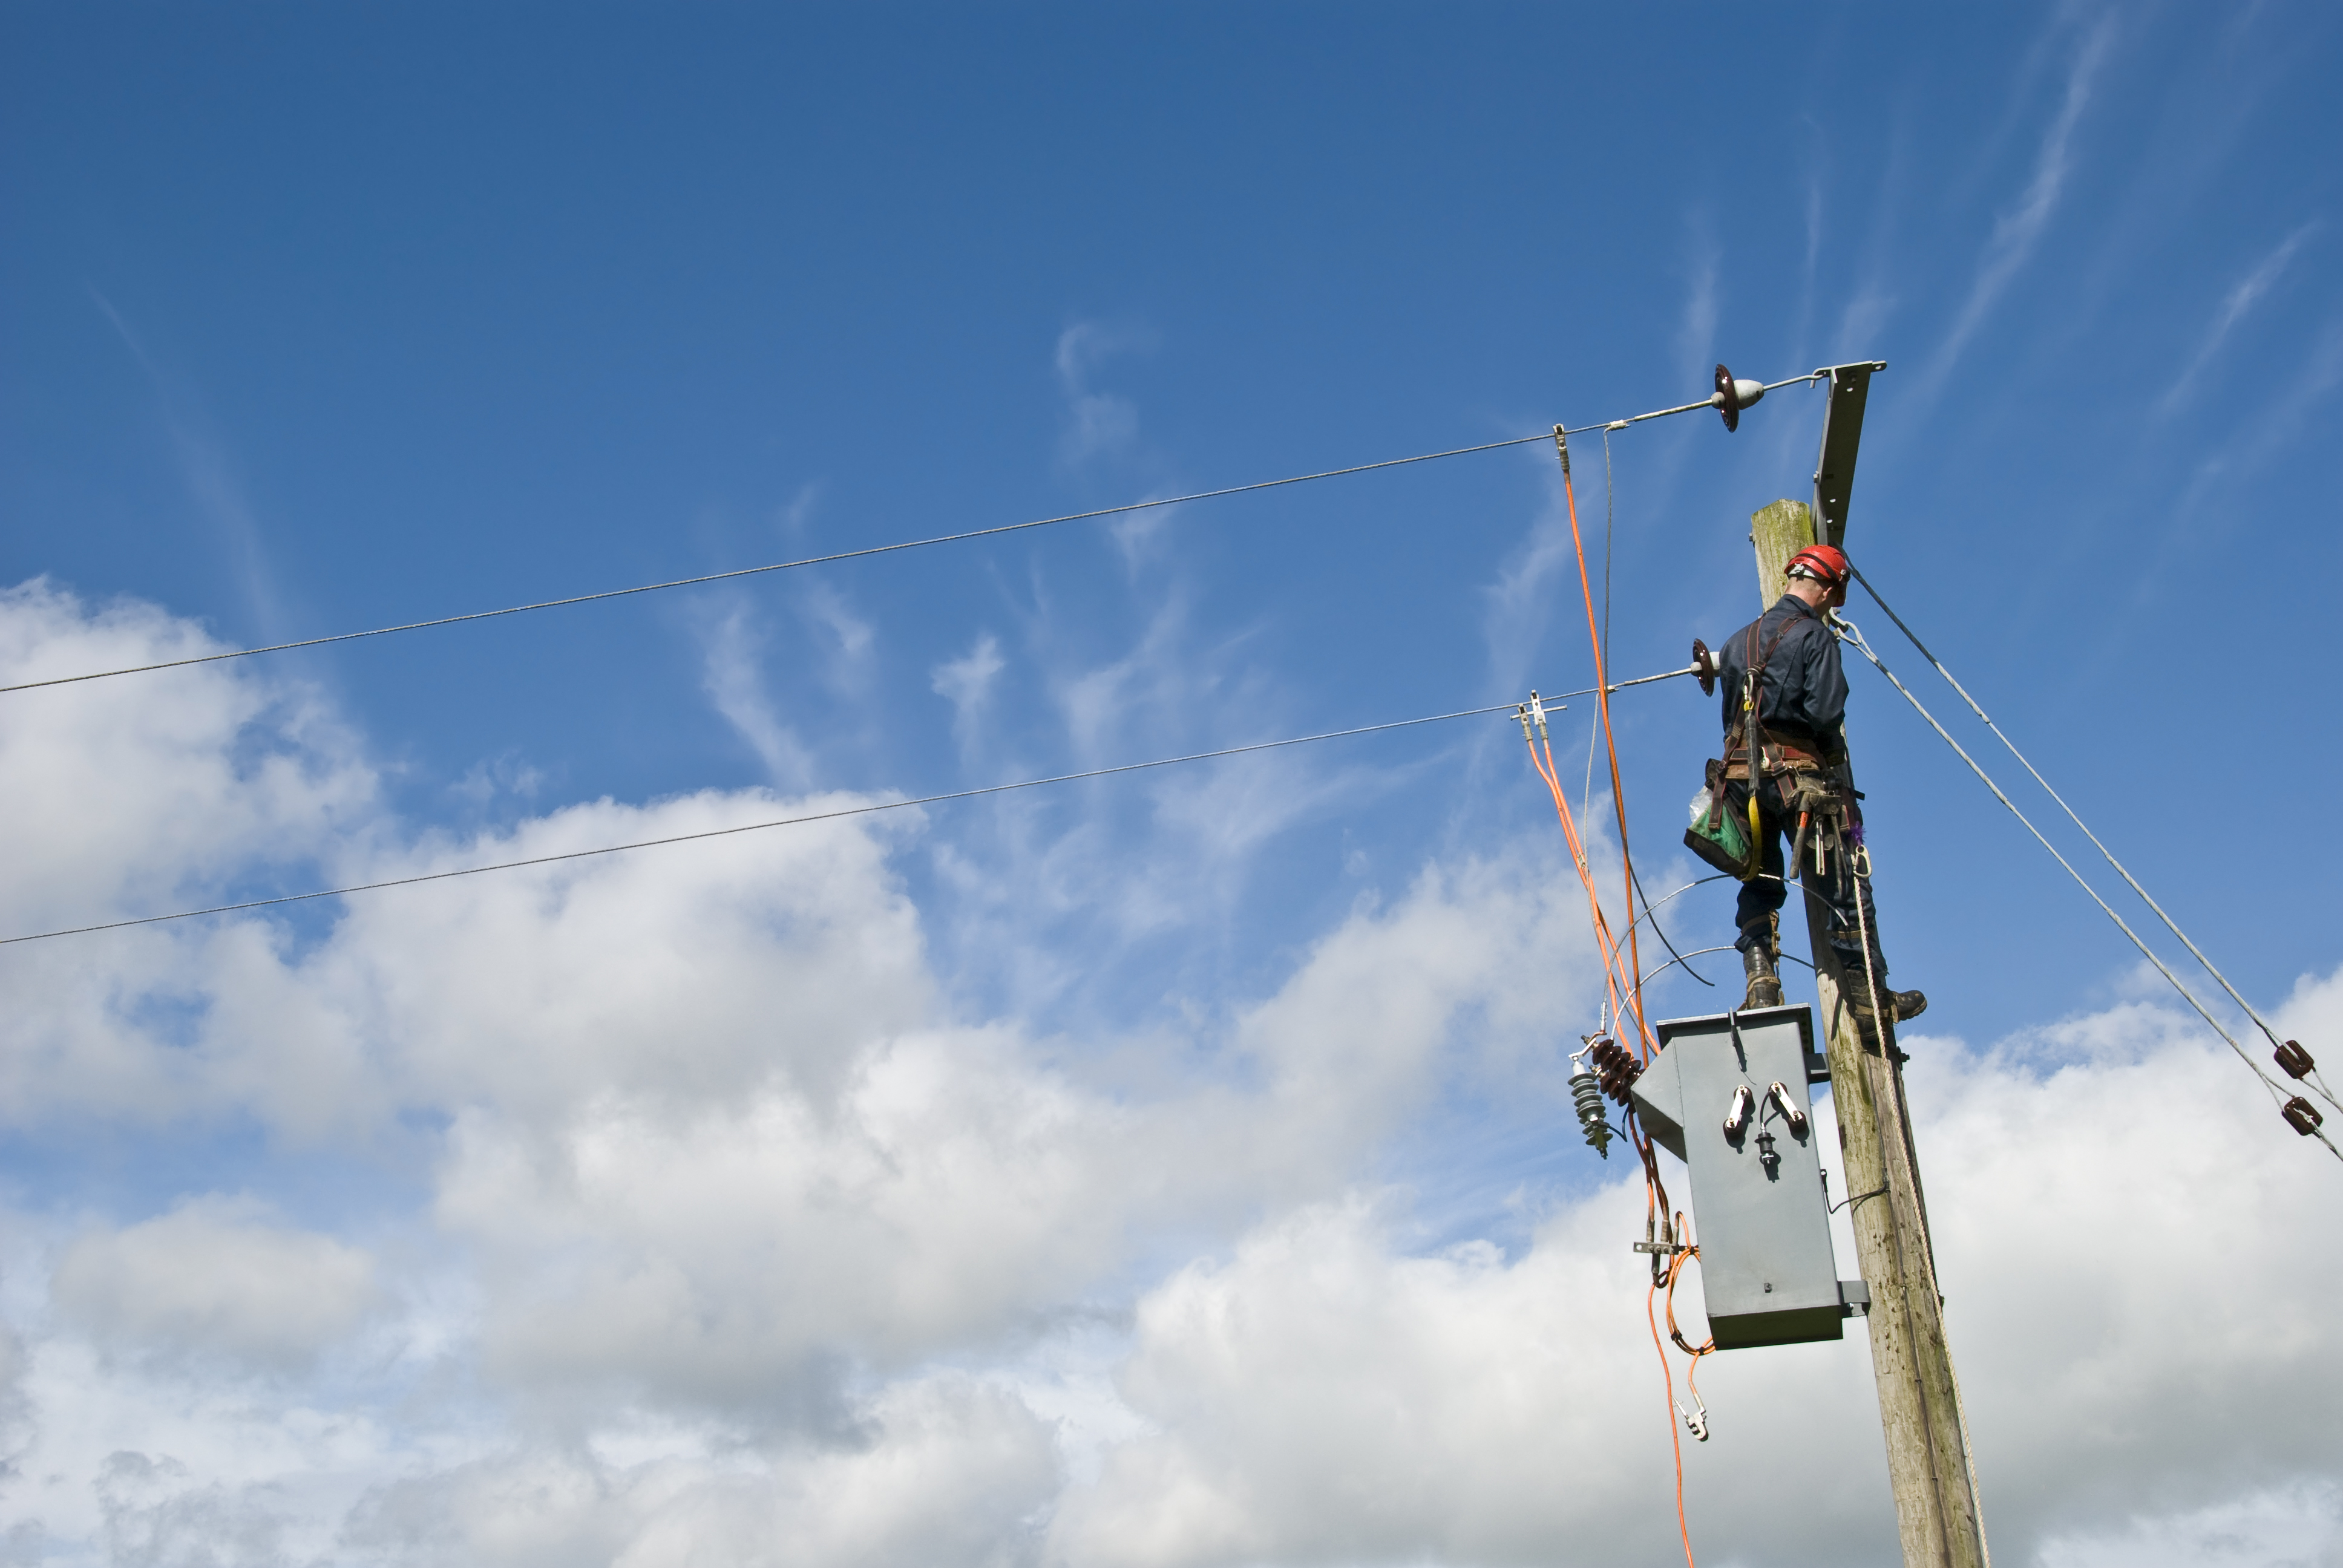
[(1736, 1115), (1748, 392), (1779, 1093)]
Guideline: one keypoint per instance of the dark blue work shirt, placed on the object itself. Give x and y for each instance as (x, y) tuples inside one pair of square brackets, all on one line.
[(1802, 694)]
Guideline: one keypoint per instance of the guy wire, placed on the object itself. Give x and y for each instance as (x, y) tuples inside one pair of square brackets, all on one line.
[(1851, 633), (2121, 870)]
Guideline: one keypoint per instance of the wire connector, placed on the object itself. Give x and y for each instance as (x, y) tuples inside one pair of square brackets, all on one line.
[(1562, 447)]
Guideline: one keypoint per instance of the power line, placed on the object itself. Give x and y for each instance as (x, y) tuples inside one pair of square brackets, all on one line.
[(867, 550), (788, 821), (773, 566)]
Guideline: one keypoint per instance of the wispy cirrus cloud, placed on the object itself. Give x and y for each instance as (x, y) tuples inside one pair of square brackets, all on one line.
[(2259, 437), (2019, 232), (209, 474), (2235, 307), (734, 680), (967, 683), (1696, 327), (1097, 423)]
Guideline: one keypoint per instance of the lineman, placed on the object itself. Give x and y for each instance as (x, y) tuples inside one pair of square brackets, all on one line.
[(1803, 790)]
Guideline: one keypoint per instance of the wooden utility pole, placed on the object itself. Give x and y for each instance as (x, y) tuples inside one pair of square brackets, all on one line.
[(1928, 1460)]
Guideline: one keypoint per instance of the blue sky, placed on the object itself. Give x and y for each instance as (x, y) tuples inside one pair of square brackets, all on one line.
[(321, 319)]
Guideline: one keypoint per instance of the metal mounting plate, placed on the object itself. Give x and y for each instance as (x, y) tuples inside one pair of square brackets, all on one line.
[(1850, 386)]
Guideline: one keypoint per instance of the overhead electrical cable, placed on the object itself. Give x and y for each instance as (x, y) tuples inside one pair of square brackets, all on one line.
[(2121, 870), (791, 822), (1849, 632), (856, 553), (1608, 519)]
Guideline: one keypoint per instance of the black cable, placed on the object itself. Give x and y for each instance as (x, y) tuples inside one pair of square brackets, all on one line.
[(1679, 958), (1859, 1197)]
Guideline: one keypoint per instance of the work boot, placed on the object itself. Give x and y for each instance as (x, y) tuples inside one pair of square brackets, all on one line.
[(1765, 982), (1906, 1005)]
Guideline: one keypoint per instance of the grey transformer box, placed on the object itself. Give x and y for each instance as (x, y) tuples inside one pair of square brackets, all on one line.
[(1727, 1095)]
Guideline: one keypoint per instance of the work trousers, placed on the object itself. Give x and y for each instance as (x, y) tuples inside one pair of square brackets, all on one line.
[(1837, 887)]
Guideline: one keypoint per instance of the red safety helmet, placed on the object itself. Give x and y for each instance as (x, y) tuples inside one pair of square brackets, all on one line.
[(1825, 566)]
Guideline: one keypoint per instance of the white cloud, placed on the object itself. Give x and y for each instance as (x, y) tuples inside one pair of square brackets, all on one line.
[(126, 794), (1322, 1399), (154, 1514), (2135, 1367), (2289, 1525), (735, 1244), (736, 1258), (947, 1471), (215, 1279)]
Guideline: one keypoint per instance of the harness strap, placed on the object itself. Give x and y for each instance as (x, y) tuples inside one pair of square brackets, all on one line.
[(1753, 690)]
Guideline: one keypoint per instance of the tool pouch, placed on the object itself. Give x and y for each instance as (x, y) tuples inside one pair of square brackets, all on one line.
[(1716, 834), (1814, 799), (1813, 794)]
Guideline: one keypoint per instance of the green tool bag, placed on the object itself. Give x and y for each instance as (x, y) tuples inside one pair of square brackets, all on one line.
[(1716, 834)]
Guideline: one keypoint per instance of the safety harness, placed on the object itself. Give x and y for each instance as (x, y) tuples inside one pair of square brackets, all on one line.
[(1800, 778)]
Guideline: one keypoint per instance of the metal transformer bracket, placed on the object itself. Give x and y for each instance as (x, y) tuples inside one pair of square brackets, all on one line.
[(1729, 1096)]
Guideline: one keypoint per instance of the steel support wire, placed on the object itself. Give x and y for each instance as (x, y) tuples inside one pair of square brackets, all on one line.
[(781, 821), (2169, 924), (778, 566), (1849, 632), (757, 827), (875, 549)]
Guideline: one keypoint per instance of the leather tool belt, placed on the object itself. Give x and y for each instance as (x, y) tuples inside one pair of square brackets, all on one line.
[(1792, 758)]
